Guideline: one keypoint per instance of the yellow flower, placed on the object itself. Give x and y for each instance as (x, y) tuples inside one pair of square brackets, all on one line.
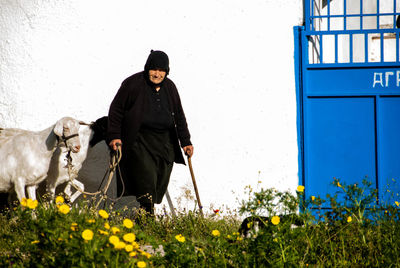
[(128, 223), (107, 226), (141, 264), (397, 203), (249, 225), (180, 238), (64, 209), (300, 188), (115, 230), (339, 185), (135, 245), (59, 199), (239, 238), (215, 233), (235, 233), (74, 226), (128, 248), (87, 234), (91, 221), (133, 254), (275, 239), (103, 214), (103, 232), (275, 220), (32, 204), (120, 245), (35, 242), (113, 239), (312, 198), (24, 202), (130, 237), (349, 219)]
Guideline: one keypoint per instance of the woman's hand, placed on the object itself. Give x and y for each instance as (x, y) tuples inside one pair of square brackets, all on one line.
[(188, 150), (115, 143)]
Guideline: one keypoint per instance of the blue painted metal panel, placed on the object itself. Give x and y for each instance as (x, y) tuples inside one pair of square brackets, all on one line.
[(389, 148), (348, 101), (339, 142)]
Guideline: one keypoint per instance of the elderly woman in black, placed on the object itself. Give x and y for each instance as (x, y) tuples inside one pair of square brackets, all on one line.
[(147, 118)]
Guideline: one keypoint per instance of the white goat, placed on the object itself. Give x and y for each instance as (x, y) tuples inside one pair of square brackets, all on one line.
[(25, 156), (58, 172), (90, 157)]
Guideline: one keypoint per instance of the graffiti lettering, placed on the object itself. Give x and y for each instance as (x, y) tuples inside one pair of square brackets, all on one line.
[(385, 79)]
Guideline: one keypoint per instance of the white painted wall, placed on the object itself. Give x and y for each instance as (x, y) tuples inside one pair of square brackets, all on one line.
[(231, 60)]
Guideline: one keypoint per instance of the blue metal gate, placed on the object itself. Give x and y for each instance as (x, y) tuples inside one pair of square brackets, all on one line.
[(347, 67)]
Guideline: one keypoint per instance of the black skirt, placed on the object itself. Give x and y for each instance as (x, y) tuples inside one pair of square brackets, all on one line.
[(146, 167)]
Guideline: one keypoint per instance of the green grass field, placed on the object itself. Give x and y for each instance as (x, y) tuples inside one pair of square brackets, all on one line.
[(355, 232)]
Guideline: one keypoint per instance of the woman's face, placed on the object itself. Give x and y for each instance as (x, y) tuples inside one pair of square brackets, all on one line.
[(156, 76)]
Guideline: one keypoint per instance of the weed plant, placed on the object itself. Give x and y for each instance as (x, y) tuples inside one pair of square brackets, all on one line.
[(294, 231)]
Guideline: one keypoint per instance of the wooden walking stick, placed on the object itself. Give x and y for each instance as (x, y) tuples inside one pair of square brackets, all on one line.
[(195, 186)]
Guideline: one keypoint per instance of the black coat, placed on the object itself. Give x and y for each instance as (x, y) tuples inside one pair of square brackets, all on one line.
[(126, 113)]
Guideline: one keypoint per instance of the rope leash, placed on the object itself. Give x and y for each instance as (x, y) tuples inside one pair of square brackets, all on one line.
[(114, 163)]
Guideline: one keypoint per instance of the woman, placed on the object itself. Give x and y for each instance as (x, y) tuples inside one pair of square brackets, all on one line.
[(146, 117)]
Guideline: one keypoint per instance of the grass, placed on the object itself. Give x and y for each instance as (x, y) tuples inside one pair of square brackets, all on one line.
[(355, 232)]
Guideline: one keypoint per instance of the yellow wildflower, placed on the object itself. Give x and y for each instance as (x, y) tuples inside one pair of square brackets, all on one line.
[(339, 185), (135, 245), (24, 202), (128, 248), (32, 204), (312, 198), (130, 237), (300, 188), (349, 219), (275, 220), (180, 238), (103, 214), (239, 238), (215, 233), (35, 242), (141, 264), (115, 230), (397, 203), (235, 233), (59, 199), (133, 254), (128, 223), (120, 245), (275, 239), (64, 209), (113, 239), (87, 234), (74, 226), (91, 220), (103, 232), (107, 226)]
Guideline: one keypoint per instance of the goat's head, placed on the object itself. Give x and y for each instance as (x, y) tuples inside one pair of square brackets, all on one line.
[(67, 130)]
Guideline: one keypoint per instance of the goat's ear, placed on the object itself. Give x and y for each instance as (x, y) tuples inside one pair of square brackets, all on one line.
[(59, 128)]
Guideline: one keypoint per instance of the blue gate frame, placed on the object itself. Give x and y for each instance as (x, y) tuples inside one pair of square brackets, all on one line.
[(347, 68)]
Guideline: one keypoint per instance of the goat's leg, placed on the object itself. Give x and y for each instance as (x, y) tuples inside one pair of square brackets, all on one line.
[(19, 187), (77, 193), (51, 189), (31, 191)]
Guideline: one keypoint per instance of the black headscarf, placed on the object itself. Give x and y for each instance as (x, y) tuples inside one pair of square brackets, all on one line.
[(157, 60)]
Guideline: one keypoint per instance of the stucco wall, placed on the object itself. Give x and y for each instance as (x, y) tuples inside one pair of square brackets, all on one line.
[(231, 60)]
